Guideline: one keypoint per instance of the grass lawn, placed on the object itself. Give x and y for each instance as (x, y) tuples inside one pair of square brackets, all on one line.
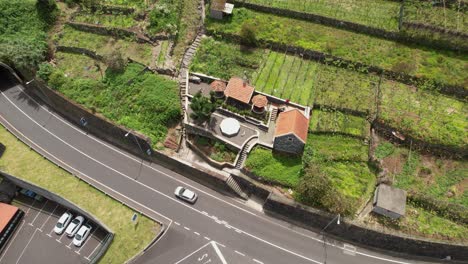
[(449, 17), (443, 66), (148, 104), (335, 121), (280, 168), (103, 44), (439, 178), (375, 13), (78, 66), (335, 148), (20, 161), (430, 117), (118, 21)]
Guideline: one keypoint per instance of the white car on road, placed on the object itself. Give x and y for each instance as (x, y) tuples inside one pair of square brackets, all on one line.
[(81, 235), (185, 194), (74, 226), (62, 223)]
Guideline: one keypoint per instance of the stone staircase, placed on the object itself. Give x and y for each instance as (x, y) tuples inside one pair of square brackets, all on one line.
[(274, 114), (236, 187), (242, 156)]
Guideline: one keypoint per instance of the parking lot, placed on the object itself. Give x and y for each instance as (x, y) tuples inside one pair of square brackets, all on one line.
[(35, 241)]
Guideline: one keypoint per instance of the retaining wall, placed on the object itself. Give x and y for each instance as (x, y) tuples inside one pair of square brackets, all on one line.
[(54, 197), (213, 163), (115, 134), (317, 220), (81, 51)]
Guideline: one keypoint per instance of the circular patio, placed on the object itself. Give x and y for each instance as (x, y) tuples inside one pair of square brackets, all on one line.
[(229, 127)]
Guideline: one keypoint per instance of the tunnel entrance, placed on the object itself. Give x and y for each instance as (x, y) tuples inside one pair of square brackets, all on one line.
[(7, 78)]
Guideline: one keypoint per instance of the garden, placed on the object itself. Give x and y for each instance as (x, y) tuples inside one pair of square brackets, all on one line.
[(442, 66), (135, 98), (214, 149), (374, 13), (332, 121), (426, 116)]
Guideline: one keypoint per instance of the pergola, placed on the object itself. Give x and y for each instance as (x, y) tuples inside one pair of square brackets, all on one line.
[(259, 102)]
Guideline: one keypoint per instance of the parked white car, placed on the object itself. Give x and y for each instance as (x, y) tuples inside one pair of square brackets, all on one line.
[(81, 235), (74, 226), (62, 223), (186, 194)]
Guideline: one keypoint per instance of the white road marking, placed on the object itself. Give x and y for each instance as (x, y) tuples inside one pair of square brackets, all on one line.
[(49, 217), (207, 238), (193, 253), (29, 207), (349, 249), (38, 213), (90, 236), (13, 239), (177, 223), (258, 261), (186, 228), (214, 197), (196, 233), (240, 253), (220, 255), (22, 252), (98, 245)]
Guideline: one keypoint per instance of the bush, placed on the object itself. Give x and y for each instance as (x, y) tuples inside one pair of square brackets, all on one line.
[(202, 108), (115, 61), (57, 79), (45, 70), (248, 34), (47, 10), (384, 150), (163, 18)]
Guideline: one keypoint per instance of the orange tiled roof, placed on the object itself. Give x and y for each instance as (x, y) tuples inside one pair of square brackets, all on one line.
[(292, 121), (6, 213), (259, 101), (238, 90), (218, 86)]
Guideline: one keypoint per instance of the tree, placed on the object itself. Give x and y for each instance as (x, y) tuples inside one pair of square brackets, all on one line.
[(248, 34), (47, 10), (202, 108), (115, 60)]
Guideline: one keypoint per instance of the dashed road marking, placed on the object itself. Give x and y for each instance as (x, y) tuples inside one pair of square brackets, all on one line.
[(258, 261), (176, 223), (186, 228), (207, 238), (240, 253), (349, 249), (196, 233)]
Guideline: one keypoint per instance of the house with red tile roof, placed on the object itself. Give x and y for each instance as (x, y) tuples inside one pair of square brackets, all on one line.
[(291, 131), (239, 90)]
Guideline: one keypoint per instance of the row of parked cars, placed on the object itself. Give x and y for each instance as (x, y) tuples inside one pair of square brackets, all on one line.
[(73, 228)]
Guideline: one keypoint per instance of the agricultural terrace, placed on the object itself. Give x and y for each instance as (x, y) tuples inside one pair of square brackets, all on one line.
[(103, 44), (137, 99), (109, 20), (440, 178), (342, 159), (332, 121), (443, 66), (287, 76), (79, 66), (130, 239), (452, 16), (129, 3), (374, 13), (427, 116)]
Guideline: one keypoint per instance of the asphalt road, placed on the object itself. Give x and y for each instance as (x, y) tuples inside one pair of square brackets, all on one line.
[(234, 226)]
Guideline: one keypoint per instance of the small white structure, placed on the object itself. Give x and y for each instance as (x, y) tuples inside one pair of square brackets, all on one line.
[(389, 201), (219, 8), (229, 127)]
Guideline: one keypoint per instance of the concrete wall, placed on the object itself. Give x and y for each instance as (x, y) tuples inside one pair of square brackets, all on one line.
[(316, 220)]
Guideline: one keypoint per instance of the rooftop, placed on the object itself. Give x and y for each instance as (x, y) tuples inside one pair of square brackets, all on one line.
[(218, 86), (391, 199), (238, 89), (6, 213), (259, 101), (292, 121), (218, 5)]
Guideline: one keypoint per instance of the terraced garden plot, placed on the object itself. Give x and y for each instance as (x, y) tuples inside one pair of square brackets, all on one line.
[(453, 17), (432, 118), (337, 122), (129, 3), (375, 13), (79, 66), (103, 44), (443, 66), (164, 50), (118, 20), (308, 82)]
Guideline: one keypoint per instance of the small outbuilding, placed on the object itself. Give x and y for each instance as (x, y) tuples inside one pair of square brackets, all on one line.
[(259, 102), (389, 201), (218, 87), (291, 131), (220, 8)]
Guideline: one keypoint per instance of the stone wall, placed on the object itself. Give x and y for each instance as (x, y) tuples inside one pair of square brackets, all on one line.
[(316, 220), (451, 90), (213, 163), (81, 51)]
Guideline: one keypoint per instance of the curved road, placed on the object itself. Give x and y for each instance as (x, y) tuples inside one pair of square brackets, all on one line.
[(241, 232)]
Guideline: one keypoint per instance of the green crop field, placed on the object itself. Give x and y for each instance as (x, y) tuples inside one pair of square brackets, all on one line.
[(375, 13), (427, 116), (451, 17), (103, 44), (444, 66), (326, 120)]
